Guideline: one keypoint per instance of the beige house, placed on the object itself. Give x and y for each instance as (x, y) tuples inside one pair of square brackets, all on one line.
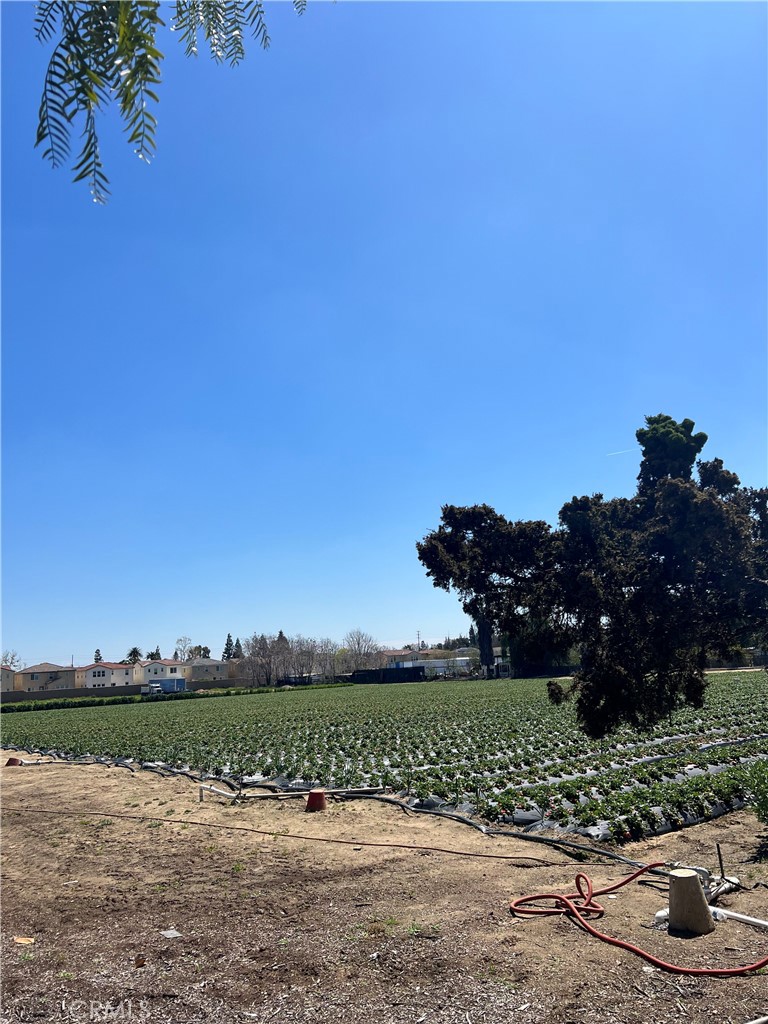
[(207, 669), (107, 674), (45, 676), (9, 674), (165, 668)]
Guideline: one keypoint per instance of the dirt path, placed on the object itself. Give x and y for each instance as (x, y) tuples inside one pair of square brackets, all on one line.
[(280, 929)]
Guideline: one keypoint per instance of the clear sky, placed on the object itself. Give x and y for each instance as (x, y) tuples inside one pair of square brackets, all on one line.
[(416, 253)]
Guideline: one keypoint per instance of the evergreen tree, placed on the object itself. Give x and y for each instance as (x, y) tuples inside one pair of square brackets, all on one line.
[(647, 588), (97, 658), (229, 649), (472, 637), (238, 650), (134, 655), (154, 655)]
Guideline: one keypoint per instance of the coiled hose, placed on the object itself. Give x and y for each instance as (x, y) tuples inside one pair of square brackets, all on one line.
[(589, 907)]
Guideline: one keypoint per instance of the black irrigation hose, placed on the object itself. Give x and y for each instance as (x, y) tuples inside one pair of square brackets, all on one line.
[(526, 836), (274, 835), (417, 810), (547, 841), (79, 764), (168, 772)]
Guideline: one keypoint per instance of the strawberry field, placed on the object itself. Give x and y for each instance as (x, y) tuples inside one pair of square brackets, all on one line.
[(498, 745)]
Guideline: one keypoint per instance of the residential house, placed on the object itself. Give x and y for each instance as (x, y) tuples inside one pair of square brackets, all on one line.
[(207, 669), (45, 676), (106, 674), (8, 677), (395, 658), (164, 668)]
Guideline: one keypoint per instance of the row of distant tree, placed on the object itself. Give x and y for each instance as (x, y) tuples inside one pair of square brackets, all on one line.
[(265, 659), (269, 659)]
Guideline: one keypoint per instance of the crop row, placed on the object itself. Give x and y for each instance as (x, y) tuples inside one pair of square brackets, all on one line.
[(494, 739)]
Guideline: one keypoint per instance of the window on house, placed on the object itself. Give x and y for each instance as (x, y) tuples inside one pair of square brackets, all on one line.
[(172, 671), (34, 676)]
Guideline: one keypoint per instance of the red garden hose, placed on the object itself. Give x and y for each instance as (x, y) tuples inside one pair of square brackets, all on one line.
[(590, 908)]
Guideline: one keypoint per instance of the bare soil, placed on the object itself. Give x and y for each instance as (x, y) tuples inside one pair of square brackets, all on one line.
[(279, 927)]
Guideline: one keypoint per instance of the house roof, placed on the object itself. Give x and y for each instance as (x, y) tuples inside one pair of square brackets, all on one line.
[(162, 661), (103, 664), (47, 666), (206, 661)]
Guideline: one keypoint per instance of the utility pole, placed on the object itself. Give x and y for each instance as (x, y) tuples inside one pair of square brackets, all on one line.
[(418, 640)]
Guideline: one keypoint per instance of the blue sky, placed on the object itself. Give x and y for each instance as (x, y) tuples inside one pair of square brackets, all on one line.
[(414, 254)]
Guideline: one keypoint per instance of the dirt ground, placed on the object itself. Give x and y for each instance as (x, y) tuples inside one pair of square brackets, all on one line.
[(275, 928)]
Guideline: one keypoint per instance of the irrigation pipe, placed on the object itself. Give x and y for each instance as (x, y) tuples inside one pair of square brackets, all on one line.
[(755, 922), (562, 844), (589, 907), (520, 906), (84, 812)]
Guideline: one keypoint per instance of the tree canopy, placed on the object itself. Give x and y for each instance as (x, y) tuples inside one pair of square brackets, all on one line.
[(647, 587), (105, 52)]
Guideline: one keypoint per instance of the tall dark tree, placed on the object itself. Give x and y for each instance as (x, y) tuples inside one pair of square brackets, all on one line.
[(669, 449), (281, 656), (154, 655), (229, 649), (238, 654), (655, 584), (500, 570), (134, 655), (648, 587), (97, 658)]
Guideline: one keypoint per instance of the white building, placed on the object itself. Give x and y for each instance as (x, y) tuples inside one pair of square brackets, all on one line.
[(165, 668)]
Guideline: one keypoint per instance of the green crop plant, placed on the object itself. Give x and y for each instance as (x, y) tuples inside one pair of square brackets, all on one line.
[(451, 738), (757, 780)]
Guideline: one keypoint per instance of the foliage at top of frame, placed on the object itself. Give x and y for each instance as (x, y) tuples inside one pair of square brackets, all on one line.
[(104, 52)]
